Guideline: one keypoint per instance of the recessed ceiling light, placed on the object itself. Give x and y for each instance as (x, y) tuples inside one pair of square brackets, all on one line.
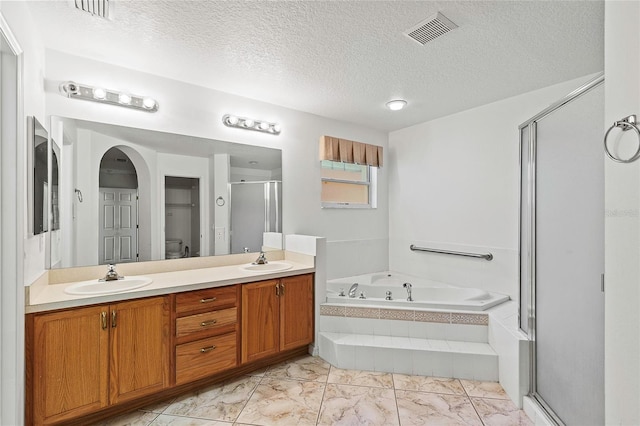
[(396, 104), (253, 163)]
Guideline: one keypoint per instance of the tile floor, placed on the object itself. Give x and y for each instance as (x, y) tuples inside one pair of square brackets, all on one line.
[(309, 391)]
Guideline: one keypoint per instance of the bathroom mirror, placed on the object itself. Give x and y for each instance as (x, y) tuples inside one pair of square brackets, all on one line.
[(126, 194), (38, 176)]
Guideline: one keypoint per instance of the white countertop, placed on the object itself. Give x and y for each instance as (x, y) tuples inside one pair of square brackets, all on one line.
[(52, 296)]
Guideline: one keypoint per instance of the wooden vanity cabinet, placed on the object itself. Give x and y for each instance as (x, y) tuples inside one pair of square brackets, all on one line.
[(277, 315), (84, 359), (206, 332)]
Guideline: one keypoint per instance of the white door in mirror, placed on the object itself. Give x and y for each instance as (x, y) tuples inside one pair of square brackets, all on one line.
[(108, 287), (267, 267)]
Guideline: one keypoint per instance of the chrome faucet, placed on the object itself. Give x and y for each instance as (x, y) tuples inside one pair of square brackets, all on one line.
[(261, 260), (408, 287), (352, 290), (388, 295), (111, 275)]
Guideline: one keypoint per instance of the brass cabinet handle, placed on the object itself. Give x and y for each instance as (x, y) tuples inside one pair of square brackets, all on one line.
[(211, 299), (103, 320), (113, 319), (277, 289), (208, 323), (210, 348), (281, 289)]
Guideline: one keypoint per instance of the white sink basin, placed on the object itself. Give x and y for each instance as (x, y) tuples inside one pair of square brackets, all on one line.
[(108, 287), (267, 267)]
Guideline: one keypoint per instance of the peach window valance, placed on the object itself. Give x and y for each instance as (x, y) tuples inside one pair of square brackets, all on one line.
[(346, 151)]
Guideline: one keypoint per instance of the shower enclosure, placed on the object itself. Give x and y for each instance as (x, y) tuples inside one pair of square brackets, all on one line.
[(255, 209), (562, 255)]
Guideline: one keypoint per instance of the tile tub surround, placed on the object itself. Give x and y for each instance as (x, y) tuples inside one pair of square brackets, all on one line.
[(308, 391), (438, 343)]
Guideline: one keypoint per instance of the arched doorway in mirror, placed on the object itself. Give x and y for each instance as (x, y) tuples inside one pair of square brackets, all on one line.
[(118, 208)]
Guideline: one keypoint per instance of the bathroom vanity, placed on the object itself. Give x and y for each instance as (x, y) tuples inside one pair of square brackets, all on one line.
[(92, 357)]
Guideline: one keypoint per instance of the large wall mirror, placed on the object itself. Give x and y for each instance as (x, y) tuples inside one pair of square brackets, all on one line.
[(129, 195), (38, 177)]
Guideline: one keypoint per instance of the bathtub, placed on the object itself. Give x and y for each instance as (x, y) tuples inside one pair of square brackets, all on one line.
[(425, 293)]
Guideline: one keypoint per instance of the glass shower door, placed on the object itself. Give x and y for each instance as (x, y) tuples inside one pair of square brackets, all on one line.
[(567, 249)]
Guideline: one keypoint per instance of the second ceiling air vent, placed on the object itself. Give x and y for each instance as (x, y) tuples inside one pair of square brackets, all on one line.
[(430, 29), (95, 7)]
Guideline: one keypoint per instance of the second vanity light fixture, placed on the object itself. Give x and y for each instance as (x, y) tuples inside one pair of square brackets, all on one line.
[(97, 94), (251, 124)]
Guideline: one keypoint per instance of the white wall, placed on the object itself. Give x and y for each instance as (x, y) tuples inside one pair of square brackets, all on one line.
[(16, 265), (454, 185), (622, 219), (357, 239)]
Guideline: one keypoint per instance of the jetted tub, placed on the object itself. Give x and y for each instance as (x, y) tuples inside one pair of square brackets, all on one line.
[(426, 294)]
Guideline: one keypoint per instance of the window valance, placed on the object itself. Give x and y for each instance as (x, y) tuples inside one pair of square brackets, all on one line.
[(346, 151)]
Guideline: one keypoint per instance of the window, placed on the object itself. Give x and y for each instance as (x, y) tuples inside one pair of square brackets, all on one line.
[(346, 185)]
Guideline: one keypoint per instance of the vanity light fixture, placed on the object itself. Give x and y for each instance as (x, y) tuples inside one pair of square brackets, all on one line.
[(97, 94), (396, 104), (251, 124)]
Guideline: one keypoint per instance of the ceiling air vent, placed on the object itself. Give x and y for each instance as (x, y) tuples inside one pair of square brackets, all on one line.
[(430, 29), (95, 7)]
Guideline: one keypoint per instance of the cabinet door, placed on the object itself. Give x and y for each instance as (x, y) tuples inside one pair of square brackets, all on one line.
[(139, 348), (260, 319), (296, 312), (70, 369)]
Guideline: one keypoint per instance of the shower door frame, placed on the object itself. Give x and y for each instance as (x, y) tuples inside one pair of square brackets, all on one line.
[(531, 229)]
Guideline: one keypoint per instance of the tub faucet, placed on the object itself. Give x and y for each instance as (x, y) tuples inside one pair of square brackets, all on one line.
[(408, 287), (388, 295), (352, 290), (111, 275), (261, 260)]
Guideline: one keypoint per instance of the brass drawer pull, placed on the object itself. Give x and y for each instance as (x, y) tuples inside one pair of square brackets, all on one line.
[(209, 349), (211, 299), (113, 319), (103, 320), (208, 323), (277, 289), (281, 289)]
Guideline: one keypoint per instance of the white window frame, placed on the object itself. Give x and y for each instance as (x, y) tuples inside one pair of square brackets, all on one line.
[(372, 183)]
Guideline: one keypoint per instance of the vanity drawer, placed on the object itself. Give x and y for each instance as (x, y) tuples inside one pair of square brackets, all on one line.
[(205, 357), (207, 321), (206, 299)]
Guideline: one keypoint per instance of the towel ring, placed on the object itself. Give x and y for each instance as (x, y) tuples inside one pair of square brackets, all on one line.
[(627, 123)]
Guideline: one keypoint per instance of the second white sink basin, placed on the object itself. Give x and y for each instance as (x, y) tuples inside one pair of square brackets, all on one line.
[(108, 287), (267, 267)]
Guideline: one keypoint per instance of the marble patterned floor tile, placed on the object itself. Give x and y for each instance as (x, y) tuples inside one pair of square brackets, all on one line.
[(259, 372), (358, 405), (428, 384), (306, 368), (165, 420), (496, 412), (222, 402), (478, 389), (159, 407), (360, 378), (136, 418), (418, 408), (283, 402)]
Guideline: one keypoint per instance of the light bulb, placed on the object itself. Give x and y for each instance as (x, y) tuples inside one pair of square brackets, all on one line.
[(232, 119), (249, 122), (124, 99), (396, 104), (99, 93), (264, 125), (148, 103), (276, 128)]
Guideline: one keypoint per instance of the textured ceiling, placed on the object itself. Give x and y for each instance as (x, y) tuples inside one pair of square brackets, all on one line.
[(342, 59)]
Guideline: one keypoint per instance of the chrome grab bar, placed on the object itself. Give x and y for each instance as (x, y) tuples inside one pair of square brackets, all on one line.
[(487, 256)]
